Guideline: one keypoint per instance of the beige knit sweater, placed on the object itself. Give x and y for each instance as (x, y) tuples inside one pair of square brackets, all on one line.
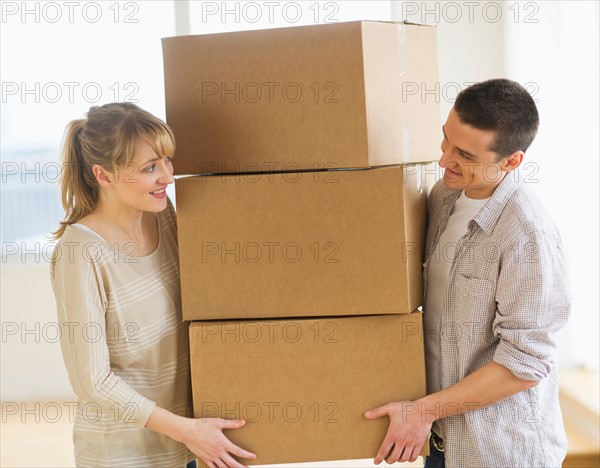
[(124, 345)]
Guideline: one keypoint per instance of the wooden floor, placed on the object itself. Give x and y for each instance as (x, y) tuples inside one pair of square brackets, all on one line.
[(580, 403), (25, 442)]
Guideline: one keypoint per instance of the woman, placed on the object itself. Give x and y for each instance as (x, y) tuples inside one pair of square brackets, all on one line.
[(115, 276)]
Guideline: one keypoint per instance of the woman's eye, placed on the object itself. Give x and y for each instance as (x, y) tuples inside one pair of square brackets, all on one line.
[(151, 168), (169, 159)]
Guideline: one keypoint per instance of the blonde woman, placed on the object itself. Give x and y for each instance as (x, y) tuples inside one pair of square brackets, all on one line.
[(115, 276)]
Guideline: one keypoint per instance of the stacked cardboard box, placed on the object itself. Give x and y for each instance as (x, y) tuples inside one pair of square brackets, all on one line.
[(301, 232)]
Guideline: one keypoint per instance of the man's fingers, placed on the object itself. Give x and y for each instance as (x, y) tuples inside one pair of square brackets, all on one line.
[(395, 455), (406, 454), (410, 453), (415, 452), (385, 448), (377, 412)]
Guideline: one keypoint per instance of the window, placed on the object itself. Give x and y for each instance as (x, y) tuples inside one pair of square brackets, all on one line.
[(58, 59)]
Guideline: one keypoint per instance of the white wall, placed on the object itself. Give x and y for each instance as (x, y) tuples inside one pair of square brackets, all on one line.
[(31, 360), (551, 48), (471, 42), (558, 54)]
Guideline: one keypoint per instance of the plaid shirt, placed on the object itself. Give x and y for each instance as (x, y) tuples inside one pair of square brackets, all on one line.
[(507, 295)]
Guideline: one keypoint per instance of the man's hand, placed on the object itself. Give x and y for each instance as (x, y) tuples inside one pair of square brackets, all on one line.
[(407, 432)]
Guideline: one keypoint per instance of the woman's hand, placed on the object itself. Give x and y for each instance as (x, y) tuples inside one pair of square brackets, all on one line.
[(205, 438)]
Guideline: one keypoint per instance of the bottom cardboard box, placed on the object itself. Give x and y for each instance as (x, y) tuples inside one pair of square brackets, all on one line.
[(302, 385)]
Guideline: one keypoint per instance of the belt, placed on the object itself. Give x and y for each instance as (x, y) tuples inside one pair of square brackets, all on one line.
[(437, 441)]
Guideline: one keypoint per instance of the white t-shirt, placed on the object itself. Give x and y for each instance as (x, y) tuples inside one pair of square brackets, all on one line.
[(465, 209)]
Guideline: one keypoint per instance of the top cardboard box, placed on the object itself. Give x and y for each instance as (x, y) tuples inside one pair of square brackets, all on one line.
[(344, 95)]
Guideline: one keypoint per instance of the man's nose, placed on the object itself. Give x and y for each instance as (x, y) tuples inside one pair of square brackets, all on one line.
[(445, 157)]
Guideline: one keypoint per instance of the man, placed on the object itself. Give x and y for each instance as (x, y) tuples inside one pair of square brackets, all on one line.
[(495, 293)]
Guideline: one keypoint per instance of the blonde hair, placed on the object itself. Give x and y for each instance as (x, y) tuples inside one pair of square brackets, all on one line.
[(108, 138)]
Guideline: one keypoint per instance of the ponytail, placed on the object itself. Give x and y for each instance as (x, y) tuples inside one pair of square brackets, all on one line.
[(78, 187)]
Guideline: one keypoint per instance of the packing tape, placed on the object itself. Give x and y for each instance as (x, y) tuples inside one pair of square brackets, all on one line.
[(402, 43)]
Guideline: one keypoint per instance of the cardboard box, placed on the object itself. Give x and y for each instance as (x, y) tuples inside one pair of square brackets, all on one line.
[(278, 245), (342, 95), (303, 385)]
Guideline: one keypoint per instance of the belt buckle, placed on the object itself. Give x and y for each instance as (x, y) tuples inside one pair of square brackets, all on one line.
[(437, 442)]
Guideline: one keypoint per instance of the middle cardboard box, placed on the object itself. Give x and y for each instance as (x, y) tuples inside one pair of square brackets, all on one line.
[(273, 245)]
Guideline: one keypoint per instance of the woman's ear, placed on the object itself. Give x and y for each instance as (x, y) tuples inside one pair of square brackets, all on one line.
[(104, 178)]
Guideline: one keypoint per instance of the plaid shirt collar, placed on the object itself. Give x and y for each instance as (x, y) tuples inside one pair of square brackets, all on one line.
[(487, 218)]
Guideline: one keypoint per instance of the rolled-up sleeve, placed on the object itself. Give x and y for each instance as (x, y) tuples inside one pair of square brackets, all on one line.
[(81, 305), (533, 303)]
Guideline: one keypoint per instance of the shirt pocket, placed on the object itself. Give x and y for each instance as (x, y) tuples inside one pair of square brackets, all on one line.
[(475, 298), (472, 313)]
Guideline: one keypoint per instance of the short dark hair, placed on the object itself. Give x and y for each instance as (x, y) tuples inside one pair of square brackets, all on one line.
[(502, 106)]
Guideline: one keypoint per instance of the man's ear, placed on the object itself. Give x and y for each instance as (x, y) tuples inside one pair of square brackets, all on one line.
[(511, 162), (104, 178)]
